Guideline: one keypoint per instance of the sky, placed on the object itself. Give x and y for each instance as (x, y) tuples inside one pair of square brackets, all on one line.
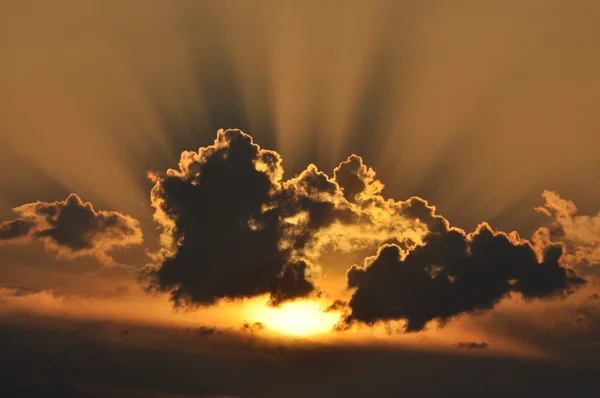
[(299, 198)]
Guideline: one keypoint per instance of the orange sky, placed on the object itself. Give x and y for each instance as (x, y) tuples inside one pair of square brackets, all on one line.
[(479, 108)]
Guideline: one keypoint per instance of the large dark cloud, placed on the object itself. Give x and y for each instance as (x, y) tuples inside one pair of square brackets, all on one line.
[(232, 228), (72, 228), (452, 273)]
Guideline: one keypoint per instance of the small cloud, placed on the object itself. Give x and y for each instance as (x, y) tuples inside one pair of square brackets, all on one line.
[(252, 328), (72, 228), (206, 331), (471, 345)]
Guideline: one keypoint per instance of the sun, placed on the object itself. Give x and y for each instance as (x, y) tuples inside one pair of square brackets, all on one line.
[(298, 318)]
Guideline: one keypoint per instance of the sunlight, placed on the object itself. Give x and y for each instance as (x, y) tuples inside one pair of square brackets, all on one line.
[(299, 318)]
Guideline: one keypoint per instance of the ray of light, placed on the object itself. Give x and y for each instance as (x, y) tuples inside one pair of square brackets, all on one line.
[(98, 96)]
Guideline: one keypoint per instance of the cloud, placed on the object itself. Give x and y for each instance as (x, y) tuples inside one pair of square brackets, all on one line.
[(452, 273), (226, 233), (252, 328), (357, 180), (376, 219), (15, 229), (471, 345), (204, 331), (72, 228), (579, 233)]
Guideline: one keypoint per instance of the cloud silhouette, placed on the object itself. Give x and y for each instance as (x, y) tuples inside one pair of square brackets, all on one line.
[(72, 228), (471, 345), (252, 328), (232, 228), (204, 331), (356, 180), (451, 273), (15, 229)]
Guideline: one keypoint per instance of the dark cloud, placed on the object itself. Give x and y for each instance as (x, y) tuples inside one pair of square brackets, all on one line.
[(452, 273), (232, 228), (252, 328), (72, 228), (206, 331), (471, 345), (15, 229), (356, 179)]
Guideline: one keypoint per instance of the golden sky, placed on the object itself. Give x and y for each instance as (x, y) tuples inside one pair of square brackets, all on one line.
[(298, 187)]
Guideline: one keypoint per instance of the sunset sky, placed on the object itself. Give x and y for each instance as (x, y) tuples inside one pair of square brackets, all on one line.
[(299, 198)]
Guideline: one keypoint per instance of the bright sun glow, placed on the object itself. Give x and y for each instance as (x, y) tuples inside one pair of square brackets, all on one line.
[(300, 318)]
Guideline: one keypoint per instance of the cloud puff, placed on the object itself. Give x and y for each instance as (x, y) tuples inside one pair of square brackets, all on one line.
[(252, 328), (451, 273), (357, 180), (72, 228), (579, 233), (204, 331), (471, 345), (232, 228)]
